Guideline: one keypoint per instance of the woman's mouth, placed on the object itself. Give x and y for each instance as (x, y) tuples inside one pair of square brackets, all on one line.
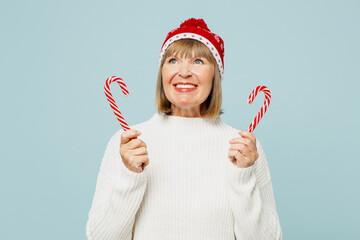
[(185, 87)]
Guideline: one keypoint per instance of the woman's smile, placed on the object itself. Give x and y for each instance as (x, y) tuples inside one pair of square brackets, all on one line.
[(185, 87)]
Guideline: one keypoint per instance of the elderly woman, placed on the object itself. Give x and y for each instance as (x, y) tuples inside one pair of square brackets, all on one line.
[(185, 173)]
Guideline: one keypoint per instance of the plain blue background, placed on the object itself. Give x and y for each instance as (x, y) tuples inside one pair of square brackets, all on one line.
[(56, 122)]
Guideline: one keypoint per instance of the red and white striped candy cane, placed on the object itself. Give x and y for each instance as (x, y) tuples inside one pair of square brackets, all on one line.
[(111, 99), (264, 107)]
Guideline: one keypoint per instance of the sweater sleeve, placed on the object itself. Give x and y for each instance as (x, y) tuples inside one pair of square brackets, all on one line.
[(252, 201), (117, 198)]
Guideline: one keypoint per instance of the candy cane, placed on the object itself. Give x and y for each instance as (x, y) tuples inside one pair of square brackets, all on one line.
[(111, 100), (264, 107)]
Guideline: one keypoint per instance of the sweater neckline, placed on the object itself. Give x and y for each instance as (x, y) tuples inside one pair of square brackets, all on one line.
[(189, 122)]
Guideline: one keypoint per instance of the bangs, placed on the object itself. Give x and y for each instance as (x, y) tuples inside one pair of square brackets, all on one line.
[(187, 48)]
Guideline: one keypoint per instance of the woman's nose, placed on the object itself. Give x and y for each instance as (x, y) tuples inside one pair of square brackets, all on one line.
[(185, 70)]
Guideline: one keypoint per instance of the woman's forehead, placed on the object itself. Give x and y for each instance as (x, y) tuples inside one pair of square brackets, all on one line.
[(183, 53), (186, 54)]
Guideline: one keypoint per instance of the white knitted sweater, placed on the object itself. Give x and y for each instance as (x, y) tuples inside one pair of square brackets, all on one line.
[(190, 190)]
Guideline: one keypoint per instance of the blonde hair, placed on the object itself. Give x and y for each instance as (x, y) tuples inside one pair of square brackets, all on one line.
[(211, 107)]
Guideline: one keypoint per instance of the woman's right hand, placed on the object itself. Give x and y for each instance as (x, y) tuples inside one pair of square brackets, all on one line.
[(133, 151)]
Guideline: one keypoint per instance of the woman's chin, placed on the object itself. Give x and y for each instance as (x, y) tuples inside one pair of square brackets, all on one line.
[(185, 103)]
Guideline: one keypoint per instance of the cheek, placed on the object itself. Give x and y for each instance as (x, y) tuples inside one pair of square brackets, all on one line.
[(166, 85), (166, 81), (167, 75), (208, 90), (164, 75), (208, 80)]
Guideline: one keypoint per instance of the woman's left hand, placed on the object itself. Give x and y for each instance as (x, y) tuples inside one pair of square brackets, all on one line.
[(243, 152)]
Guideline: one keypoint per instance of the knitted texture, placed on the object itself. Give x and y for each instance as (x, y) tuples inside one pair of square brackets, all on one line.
[(190, 190)]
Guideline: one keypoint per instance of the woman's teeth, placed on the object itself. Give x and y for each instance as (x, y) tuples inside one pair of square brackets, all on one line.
[(185, 86)]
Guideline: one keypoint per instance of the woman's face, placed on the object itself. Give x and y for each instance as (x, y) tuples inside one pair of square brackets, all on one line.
[(187, 83)]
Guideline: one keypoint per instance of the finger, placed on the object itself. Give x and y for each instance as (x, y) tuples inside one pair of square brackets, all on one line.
[(236, 156), (244, 150), (240, 157), (248, 135), (248, 143), (146, 163), (241, 140), (232, 153), (231, 156), (136, 143), (139, 151), (140, 160), (239, 147), (126, 136)]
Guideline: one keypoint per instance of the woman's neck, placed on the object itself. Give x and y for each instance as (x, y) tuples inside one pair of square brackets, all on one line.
[(186, 112)]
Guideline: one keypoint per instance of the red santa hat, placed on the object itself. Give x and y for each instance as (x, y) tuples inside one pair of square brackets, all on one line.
[(197, 29)]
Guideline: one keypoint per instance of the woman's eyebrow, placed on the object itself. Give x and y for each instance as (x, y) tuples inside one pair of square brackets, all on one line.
[(171, 56), (194, 57)]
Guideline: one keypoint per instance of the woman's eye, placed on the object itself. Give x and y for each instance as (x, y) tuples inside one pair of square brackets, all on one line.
[(172, 61), (198, 61)]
